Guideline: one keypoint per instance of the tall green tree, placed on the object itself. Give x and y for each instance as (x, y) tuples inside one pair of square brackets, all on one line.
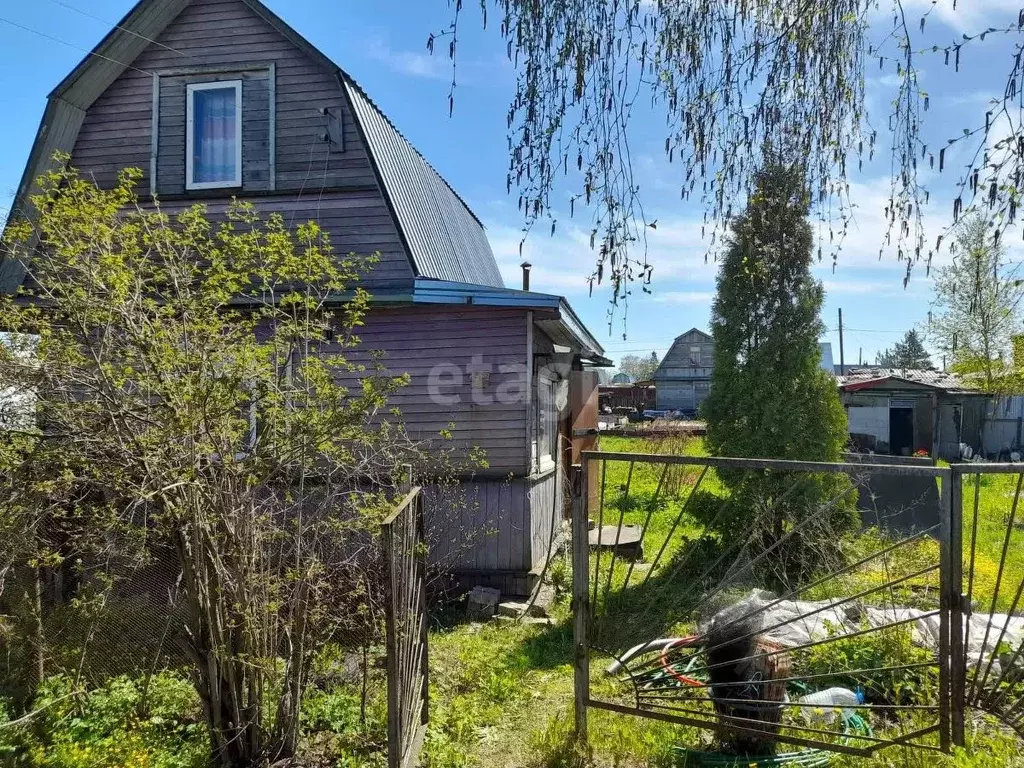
[(639, 368), (909, 352), (769, 396), (976, 311)]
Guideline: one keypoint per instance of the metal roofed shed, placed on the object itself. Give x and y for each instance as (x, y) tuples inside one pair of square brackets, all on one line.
[(872, 377), (906, 411), (495, 372)]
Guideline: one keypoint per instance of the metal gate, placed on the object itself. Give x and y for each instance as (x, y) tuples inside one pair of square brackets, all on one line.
[(405, 551), (670, 576)]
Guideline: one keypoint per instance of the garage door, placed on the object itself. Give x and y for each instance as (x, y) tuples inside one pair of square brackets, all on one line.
[(674, 395)]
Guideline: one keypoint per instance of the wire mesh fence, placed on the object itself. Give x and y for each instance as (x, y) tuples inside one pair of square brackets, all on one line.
[(90, 623), (738, 597)]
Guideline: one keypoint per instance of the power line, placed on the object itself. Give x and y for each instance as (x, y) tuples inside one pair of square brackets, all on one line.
[(72, 45), (122, 28)]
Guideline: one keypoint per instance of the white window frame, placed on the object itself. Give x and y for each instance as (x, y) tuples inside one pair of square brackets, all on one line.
[(190, 133), (546, 461)]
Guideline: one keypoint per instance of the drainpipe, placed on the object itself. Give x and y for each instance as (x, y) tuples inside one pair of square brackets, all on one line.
[(530, 420)]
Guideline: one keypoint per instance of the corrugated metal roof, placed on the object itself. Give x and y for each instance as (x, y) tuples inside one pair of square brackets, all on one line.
[(445, 239), (864, 378)]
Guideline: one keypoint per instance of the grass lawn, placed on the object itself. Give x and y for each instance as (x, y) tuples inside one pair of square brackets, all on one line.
[(995, 496)]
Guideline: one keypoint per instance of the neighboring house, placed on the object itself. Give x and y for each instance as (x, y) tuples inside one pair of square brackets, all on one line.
[(621, 378), (214, 99), (638, 397), (826, 357), (683, 379), (901, 411)]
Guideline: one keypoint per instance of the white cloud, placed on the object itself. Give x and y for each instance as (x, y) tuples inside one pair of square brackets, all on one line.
[(563, 263), (410, 63), (560, 264), (887, 81), (684, 297), (891, 287), (966, 14), (684, 273)]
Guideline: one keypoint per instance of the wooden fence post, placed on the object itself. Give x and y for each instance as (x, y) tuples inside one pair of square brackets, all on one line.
[(394, 695), (421, 557), (581, 603), (404, 546)]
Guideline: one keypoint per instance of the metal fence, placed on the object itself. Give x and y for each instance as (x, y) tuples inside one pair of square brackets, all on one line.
[(687, 570), (405, 550)]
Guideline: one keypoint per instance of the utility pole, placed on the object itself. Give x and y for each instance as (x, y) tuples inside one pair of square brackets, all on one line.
[(842, 360)]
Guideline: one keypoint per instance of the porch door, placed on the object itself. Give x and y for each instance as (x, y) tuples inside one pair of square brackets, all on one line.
[(901, 427)]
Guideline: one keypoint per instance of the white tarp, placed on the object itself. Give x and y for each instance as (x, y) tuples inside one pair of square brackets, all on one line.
[(787, 623)]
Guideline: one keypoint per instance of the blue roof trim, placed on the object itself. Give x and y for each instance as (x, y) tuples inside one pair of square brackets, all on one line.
[(427, 291)]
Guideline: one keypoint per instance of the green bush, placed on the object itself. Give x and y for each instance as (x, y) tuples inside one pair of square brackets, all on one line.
[(336, 711), (891, 647), (122, 723)]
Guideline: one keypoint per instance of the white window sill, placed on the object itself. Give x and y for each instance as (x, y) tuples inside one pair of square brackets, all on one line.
[(546, 464), (213, 185)]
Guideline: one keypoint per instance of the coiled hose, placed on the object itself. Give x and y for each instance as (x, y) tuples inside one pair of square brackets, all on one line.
[(807, 758)]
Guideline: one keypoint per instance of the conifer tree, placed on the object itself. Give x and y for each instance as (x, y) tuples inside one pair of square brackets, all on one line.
[(769, 396)]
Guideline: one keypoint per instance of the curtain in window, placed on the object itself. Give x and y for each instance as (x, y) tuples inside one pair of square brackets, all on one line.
[(214, 140)]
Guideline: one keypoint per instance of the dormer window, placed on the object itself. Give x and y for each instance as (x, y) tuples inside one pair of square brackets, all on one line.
[(214, 135)]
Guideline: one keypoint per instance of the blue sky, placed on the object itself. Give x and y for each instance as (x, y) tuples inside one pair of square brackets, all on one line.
[(382, 45)]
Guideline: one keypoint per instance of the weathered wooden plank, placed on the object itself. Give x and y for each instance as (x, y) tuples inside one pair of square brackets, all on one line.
[(489, 531), (272, 119), (406, 632)]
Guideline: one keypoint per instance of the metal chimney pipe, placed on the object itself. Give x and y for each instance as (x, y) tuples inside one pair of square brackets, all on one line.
[(526, 275)]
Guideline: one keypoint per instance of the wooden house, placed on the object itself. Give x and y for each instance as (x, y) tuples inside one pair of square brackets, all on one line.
[(215, 99), (683, 379)]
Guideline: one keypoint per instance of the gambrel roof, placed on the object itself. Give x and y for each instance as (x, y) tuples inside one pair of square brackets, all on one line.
[(670, 363), (442, 236)]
